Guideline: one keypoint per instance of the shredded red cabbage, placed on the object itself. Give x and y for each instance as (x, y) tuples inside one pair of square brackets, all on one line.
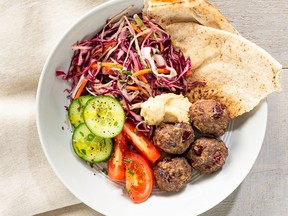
[(105, 64)]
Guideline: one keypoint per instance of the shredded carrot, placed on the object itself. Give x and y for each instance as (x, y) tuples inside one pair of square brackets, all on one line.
[(137, 88), (94, 66), (106, 68), (143, 91), (133, 88), (141, 72), (78, 69), (161, 47), (109, 70), (145, 71), (111, 65), (163, 71), (97, 51), (113, 43), (100, 50), (137, 29), (143, 78), (80, 90), (189, 73)]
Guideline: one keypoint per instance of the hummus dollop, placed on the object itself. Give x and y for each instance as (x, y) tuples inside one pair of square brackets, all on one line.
[(169, 108)]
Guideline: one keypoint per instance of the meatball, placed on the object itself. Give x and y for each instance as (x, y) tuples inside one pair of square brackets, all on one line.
[(174, 139), (172, 174), (209, 117), (207, 155)]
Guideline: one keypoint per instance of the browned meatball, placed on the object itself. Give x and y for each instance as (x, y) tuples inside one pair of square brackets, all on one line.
[(207, 155), (174, 139), (172, 174), (209, 117)]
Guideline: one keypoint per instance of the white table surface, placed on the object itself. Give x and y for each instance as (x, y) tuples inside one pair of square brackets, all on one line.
[(265, 22)]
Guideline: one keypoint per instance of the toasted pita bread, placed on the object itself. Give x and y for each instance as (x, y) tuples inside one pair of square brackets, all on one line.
[(238, 73), (165, 12)]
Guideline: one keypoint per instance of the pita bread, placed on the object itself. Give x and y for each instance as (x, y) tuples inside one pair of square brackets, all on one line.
[(238, 73), (165, 12)]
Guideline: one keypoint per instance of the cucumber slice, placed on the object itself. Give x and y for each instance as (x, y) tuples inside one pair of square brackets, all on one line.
[(104, 116), (75, 110), (90, 147)]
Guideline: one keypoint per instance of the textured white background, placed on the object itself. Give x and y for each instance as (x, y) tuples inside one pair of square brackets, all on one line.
[(28, 31)]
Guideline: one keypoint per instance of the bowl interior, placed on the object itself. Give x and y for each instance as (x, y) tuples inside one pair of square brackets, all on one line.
[(244, 140)]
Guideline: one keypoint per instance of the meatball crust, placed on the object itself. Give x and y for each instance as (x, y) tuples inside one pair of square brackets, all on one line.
[(209, 117), (172, 174), (174, 138), (207, 155)]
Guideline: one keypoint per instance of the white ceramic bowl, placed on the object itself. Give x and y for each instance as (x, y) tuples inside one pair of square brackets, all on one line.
[(244, 140)]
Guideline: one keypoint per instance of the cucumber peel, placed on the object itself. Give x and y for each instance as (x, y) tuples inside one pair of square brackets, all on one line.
[(76, 108)]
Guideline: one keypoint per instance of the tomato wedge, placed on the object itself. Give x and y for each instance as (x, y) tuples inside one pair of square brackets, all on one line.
[(139, 177), (116, 166), (141, 142)]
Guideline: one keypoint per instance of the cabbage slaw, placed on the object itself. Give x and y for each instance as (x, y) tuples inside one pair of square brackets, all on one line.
[(131, 59)]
